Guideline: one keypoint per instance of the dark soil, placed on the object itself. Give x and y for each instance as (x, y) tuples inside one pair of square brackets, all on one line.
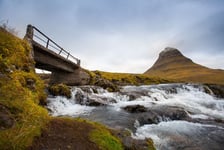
[(61, 134)]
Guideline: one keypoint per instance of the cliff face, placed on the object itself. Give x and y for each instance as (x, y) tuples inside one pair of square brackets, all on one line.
[(174, 65)]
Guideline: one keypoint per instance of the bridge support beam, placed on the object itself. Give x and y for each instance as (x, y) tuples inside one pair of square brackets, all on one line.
[(78, 77)]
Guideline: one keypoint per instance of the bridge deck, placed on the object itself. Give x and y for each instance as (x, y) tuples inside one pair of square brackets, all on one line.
[(45, 57)]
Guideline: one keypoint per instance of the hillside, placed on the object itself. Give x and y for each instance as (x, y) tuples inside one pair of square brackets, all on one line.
[(24, 121), (174, 65)]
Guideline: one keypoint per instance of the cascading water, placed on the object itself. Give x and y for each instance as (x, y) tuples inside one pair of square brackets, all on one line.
[(175, 116)]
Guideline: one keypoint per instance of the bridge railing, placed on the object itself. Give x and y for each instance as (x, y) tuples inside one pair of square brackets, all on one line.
[(36, 35)]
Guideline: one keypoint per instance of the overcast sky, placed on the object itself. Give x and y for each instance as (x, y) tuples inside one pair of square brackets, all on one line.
[(125, 35)]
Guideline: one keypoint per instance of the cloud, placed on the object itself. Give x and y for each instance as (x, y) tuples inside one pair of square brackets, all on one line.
[(125, 35)]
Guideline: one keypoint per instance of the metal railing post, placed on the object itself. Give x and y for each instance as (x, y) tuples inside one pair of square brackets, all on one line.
[(47, 43)]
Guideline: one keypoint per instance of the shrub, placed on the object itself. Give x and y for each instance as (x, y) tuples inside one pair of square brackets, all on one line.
[(60, 89)]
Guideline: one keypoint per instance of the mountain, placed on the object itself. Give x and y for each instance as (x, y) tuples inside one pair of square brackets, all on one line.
[(174, 65)]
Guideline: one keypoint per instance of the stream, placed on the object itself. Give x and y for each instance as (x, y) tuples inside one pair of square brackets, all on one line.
[(174, 116)]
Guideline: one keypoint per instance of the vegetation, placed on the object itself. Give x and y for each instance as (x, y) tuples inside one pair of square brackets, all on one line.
[(60, 89), (21, 90), (127, 78), (101, 136), (181, 69), (23, 119)]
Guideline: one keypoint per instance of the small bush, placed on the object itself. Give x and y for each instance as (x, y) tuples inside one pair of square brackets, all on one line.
[(60, 90)]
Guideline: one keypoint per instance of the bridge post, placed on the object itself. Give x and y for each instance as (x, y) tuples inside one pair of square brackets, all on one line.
[(29, 32), (78, 77)]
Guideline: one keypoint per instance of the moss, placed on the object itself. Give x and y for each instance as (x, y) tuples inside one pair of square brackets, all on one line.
[(103, 137), (20, 91), (150, 144), (105, 140), (60, 89)]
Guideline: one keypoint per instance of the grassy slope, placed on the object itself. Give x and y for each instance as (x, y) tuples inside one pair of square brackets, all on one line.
[(181, 69), (128, 78), (21, 91)]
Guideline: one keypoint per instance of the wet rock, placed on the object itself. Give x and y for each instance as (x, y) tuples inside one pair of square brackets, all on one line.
[(217, 90), (157, 115), (130, 143), (135, 108), (6, 119), (136, 94), (92, 100), (106, 84)]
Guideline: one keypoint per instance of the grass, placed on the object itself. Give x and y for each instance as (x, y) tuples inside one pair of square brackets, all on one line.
[(127, 78), (102, 136), (60, 89), (21, 91), (181, 69)]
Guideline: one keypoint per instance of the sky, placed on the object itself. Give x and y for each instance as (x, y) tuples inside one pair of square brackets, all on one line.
[(125, 35)]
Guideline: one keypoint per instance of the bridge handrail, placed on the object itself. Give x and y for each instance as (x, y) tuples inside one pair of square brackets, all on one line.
[(61, 50)]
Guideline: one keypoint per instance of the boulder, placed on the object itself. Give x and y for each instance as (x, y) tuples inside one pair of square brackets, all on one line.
[(92, 100), (217, 90), (135, 108)]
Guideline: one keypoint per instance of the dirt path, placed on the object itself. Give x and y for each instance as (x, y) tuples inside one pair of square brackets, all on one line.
[(64, 135)]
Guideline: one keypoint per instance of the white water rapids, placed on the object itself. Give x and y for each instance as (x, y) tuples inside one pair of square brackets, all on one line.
[(175, 116)]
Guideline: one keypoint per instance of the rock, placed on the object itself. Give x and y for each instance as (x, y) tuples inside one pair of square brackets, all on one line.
[(130, 143), (92, 100), (135, 108), (106, 84), (60, 90), (217, 90), (6, 119), (155, 116), (31, 84), (135, 95)]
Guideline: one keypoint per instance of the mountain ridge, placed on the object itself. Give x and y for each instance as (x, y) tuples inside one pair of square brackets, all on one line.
[(172, 64)]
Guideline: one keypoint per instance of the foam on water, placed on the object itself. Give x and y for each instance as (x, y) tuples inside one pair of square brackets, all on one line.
[(61, 106), (192, 99), (167, 135)]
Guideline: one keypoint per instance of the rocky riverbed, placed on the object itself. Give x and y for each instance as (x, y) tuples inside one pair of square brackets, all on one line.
[(175, 116)]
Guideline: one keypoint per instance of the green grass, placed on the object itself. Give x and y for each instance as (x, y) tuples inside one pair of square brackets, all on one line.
[(105, 140), (60, 89), (128, 78), (21, 91), (102, 136)]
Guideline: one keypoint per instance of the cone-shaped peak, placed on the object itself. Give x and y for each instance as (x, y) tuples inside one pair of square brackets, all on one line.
[(170, 52)]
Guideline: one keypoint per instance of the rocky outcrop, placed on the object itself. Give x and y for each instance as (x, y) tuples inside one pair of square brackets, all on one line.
[(217, 90)]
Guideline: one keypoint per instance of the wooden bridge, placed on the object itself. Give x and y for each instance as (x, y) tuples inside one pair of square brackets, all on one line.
[(48, 55)]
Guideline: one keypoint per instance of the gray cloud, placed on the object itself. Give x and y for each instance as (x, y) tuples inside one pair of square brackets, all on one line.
[(125, 35)]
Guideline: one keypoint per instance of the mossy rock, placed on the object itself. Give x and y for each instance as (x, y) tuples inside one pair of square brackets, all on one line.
[(60, 90)]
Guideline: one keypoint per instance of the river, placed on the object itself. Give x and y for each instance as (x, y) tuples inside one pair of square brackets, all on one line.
[(174, 116)]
